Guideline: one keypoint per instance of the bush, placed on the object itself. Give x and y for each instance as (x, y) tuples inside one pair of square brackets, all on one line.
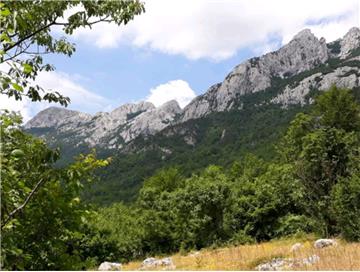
[(346, 206), (293, 224)]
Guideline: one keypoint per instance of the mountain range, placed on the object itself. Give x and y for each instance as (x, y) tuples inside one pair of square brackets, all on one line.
[(244, 113)]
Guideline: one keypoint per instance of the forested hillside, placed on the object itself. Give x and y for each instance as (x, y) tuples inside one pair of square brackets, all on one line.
[(310, 185)]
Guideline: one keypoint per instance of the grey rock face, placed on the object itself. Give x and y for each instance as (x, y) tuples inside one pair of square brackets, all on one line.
[(343, 77), (126, 122), (104, 124), (304, 52), (202, 105), (350, 42), (151, 121), (55, 117)]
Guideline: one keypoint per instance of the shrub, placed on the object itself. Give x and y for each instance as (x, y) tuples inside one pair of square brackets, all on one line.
[(346, 206)]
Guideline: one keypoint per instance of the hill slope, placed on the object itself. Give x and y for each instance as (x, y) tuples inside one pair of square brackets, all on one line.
[(247, 112), (345, 256)]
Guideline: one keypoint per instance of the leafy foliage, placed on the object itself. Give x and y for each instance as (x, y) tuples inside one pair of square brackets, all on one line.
[(43, 218), (26, 36), (346, 205), (324, 147), (311, 186)]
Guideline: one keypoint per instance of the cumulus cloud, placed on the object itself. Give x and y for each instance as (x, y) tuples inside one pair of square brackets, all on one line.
[(81, 98), (178, 90), (218, 29)]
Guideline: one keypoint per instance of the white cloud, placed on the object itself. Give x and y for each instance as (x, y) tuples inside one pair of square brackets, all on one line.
[(178, 90), (217, 29), (81, 98)]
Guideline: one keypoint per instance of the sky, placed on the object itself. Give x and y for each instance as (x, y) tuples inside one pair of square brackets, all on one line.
[(177, 49)]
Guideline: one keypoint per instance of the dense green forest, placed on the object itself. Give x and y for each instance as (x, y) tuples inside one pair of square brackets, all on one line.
[(311, 184)]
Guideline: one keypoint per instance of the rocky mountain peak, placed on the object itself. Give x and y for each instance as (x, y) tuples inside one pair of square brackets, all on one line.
[(304, 52), (350, 42), (304, 34), (55, 116), (120, 125), (122, 113), (171, 106)]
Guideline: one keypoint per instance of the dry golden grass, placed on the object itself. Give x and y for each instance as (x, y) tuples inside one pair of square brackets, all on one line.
[(345, 256)]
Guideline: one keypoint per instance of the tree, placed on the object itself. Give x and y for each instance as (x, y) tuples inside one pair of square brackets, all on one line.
[(257, 204), (323, 147), (26, 36), (41, 210), (43, 221), (346, 206), (337, 108)]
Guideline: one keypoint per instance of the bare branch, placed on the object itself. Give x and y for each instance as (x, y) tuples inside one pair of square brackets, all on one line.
[(104, 19), (23, 50)]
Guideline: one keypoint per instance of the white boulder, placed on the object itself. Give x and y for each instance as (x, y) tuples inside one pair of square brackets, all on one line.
[(108, 266), (324, 243)]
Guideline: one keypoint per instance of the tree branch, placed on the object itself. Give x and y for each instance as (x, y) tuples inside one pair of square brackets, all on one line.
[(23, 50), (104, 19), (22, 206), (29, 36)]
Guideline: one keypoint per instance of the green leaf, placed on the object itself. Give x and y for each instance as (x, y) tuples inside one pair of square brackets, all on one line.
[(17, 87), (5, 12), (27, 68), (17, 153)]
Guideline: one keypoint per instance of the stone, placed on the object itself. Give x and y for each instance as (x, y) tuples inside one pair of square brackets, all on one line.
[(296, 247), (153, 262), (311, 260), (277, 264), (108, 266), (273, 265), (166, 262), (321, 243)]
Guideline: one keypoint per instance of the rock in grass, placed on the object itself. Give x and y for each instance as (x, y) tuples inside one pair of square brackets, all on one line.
[(321, 243), (311, 260), (296, 247), (108, 266), (277, 264), (273, 265), (153, 262)]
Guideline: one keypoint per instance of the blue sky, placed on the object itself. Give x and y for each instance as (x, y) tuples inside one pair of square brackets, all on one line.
[(177, 49), (126, 74)]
